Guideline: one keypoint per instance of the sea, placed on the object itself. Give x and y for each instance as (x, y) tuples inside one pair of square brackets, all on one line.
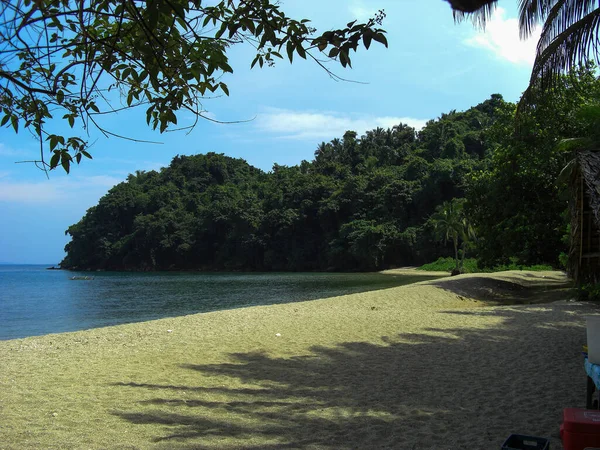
[(36, 301)]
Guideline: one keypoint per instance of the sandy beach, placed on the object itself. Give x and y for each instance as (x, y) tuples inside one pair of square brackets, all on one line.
[(455, 363)]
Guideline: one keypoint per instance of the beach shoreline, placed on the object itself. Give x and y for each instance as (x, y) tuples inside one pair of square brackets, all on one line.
[(416, 366)]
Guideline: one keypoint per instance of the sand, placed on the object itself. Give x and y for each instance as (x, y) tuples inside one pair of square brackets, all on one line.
[(424, 366)]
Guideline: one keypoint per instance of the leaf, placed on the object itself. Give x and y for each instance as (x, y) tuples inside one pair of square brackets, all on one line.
[(172, 117), (254, 61), (367, 37), (301, 52), (379, 37), (5, 120), (66, 164), (15, 123), (78, 157), (344, 59), (86, 154), (290, 50), (219, 33), (54, 160), (60, 96), (53, 141), (225, 89)]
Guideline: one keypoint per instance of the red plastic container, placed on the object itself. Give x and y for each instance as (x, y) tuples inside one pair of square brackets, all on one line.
[(580, 428)]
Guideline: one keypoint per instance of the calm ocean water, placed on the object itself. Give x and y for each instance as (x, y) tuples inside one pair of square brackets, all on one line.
[(35, 301)]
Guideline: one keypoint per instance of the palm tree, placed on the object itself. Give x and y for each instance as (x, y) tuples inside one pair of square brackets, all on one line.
[(450, 223), (568, 38)]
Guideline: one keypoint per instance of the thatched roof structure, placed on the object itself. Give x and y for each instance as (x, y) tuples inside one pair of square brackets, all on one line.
[(589, 162), (584, 254)]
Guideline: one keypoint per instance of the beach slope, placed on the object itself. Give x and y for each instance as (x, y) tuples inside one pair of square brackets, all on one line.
[(456, 363)]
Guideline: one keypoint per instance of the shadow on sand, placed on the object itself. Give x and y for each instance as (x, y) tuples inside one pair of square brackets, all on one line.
[(443, 389), (532, 289)]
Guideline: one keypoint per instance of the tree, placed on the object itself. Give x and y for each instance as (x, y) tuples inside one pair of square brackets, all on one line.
[(569, 35), (80, 60), (450, 223), (515, 203)]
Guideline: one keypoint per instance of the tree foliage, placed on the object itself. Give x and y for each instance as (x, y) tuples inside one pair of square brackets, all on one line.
[(390, 197), (361, 204), (78, 61), (518, 204), (450, 223)]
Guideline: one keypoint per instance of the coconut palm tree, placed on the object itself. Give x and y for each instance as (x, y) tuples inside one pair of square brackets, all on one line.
[(450, 223), (569, 35)]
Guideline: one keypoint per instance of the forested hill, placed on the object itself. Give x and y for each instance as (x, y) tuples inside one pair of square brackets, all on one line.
[(361, 204)]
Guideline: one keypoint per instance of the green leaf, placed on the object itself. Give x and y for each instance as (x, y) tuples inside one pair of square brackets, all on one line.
[(53, 141), (15, 123), (290, 50), (301, 52), (254, 61), (367, 37), (344, 59), (54, 160), (222, 30), (86, 154), (379, 37), (172, 117), (225, 89), (5, 120), (66, 164)]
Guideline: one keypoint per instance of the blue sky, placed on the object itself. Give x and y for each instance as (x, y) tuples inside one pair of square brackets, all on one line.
[(432, 66)]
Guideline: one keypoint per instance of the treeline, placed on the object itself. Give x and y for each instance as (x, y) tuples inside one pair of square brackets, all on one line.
[(363, 203)]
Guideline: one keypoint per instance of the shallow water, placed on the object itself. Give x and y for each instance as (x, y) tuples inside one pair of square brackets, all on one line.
[(35, 301)]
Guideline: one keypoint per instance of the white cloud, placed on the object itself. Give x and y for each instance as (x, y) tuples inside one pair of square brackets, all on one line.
[(5, 150), (501, 37), (358, 10), (289, 124), (56, 190)]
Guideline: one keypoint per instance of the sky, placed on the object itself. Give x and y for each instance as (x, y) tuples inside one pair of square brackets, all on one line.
[(432, 66)]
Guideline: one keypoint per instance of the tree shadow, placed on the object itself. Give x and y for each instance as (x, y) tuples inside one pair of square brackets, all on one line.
[(463, 388), (498, 291)]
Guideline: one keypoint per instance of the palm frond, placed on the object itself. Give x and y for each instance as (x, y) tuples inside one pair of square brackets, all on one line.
[(567, 145), (573, 47), (531, 14), (562, 15), (567, 172)]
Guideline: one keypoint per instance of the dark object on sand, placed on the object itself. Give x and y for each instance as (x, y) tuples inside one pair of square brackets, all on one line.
[(521, 442), (82, 278)]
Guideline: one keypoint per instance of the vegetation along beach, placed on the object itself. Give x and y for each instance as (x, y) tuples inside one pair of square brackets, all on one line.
[(260, 224)]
